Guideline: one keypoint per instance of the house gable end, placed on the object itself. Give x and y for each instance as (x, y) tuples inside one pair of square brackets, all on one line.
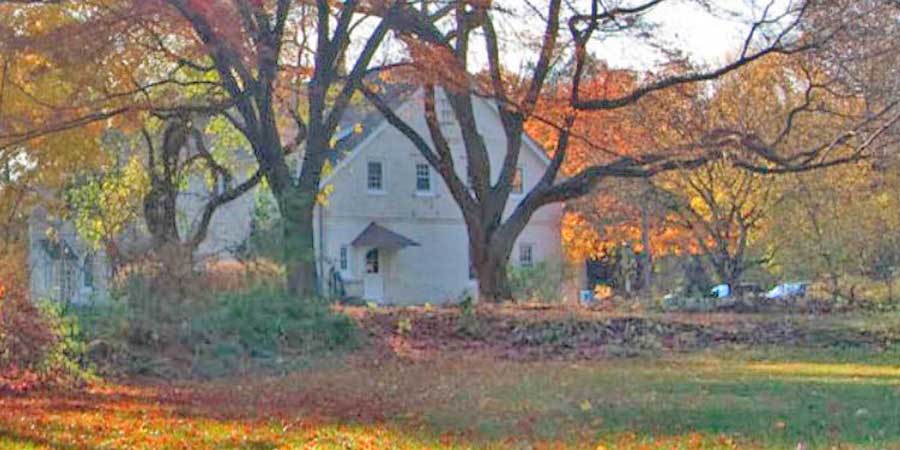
[(383, 124)]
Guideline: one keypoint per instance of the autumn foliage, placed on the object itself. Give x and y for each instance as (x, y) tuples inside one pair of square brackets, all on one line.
[(26, 336), (596, 224)]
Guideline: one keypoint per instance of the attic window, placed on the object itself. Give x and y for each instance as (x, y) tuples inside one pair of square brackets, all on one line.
[(375, 176), (518, 182), (445, 113)]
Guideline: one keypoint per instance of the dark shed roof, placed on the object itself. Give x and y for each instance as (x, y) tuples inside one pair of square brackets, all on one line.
[(379, 237)]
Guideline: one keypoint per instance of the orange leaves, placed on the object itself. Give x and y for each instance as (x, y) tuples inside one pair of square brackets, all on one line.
[(434, 64), (597, 136)]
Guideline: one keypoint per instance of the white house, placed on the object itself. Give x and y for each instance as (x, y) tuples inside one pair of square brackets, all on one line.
[(65, 268), (390, 231), (390, 227)]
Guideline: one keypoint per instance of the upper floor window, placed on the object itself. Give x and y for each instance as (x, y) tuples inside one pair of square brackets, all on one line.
[(518, 182), (445, 114), (423, 178), (526, 255), (375, 176)]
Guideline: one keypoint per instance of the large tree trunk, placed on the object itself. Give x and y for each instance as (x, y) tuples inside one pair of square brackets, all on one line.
[(490, 252), (297, 204), (493, 280), (299, 244)]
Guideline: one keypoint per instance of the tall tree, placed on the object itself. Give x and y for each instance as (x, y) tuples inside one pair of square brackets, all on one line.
[(284, 72), (442, 54), (171, 161)]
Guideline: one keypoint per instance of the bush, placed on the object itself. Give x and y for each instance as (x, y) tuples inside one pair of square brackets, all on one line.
[(542, 283), (38, 341), (266, 328), (255, 329)]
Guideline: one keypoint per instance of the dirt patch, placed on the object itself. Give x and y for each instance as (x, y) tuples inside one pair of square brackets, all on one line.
[(519, 333)]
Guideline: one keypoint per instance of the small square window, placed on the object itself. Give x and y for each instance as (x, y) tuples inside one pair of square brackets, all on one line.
[(518, 182), (375, 176), (344, 260), (423, 178), (526, 255)]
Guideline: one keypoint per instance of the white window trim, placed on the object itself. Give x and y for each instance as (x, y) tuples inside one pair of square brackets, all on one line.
[(514, 194), (430, 191), (445, 114), (381, 191), (530, 246), (344, 256)]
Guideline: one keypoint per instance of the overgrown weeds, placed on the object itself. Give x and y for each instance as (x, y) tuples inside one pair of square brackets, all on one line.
[(542, 283), (142, 331)]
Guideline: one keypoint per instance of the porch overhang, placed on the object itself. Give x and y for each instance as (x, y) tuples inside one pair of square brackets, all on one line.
[(376, 236)]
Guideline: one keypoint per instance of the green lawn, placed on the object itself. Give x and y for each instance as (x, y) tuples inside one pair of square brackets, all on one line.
[(769, 398)]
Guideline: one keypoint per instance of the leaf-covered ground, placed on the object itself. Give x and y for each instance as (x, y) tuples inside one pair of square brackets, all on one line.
[(542, 333), (764, 396)]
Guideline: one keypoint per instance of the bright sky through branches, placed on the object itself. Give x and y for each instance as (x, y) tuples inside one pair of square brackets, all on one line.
[(707, 32)]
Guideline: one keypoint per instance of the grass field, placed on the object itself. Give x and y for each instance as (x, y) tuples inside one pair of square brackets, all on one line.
[(766, 398)]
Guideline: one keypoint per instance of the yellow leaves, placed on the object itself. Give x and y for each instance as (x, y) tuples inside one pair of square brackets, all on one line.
[(404, 326), (324, 193), (603, 292), (585, 405), (103, 207)]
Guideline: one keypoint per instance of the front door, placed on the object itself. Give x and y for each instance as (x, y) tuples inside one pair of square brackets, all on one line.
[(373, 280)]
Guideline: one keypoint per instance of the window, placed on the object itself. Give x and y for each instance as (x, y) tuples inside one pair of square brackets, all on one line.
[(343, 259), (372, 261), (375, 176), (423, 178), (445, 114), (221, 186), (88, 269), (518, 182), (526, 255)]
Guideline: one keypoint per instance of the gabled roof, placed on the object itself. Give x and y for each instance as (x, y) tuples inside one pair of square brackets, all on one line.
[(379, 237), (361, 120), (351, 139), (58, 249)]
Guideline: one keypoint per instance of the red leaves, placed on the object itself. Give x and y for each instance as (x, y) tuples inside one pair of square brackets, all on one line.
[(26, 336)]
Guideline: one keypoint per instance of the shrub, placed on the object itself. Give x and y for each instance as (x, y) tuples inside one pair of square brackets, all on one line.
[(25, 335), (266, 328), (38, 341), (259, 328), (542, 283)]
